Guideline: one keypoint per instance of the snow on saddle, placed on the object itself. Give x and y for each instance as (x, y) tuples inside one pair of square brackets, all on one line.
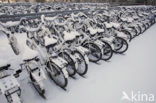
[(94, 31), (100, 30), (4, 65), (49, 42), (77, 34), (29, 54), (69, 36), (108, 25), (115, 25)]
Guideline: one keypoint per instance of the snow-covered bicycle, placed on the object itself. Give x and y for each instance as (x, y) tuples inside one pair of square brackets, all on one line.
[(31, 63), (55, 66), (9, 86)]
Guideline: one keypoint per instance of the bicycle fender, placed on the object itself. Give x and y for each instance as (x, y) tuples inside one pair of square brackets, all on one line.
[(86, 59), (74, 59), (122, 35), (65, 72), (109, 41), (100, 44), (82, 50), (15, 98), (60, 62)]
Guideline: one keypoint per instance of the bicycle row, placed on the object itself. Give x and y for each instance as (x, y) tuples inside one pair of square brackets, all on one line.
[(64, 45)]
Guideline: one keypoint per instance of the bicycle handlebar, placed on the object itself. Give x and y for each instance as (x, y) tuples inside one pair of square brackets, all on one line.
[(6, 67), (15, 74)]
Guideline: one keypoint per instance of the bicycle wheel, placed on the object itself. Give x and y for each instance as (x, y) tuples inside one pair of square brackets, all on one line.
[(147, 25), (107, 51), (38, 88), (144, 27), (82, 65), (128, 34), (117, 44), (71, 68), (135, 32), (57, 75), (95, 52), (140, 31), (124, 46)]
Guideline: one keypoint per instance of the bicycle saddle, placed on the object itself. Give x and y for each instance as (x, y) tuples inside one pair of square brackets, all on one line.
[(30, 59), (69, 37), (48, 42), (29, 54), (77, 34), (92, 31), (108, 25)]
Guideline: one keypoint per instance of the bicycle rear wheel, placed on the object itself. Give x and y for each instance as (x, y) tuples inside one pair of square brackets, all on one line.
[(95, 52)]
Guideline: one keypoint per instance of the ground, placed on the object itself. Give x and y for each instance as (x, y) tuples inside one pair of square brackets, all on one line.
[(104, 82)]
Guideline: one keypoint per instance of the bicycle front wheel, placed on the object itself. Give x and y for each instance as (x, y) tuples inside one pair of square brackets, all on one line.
[(71, 68), (124, 45), (58, 75), (82, 65), (107, 51)]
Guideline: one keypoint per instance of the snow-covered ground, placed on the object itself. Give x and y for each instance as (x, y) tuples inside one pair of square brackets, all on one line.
[(104, 83)]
